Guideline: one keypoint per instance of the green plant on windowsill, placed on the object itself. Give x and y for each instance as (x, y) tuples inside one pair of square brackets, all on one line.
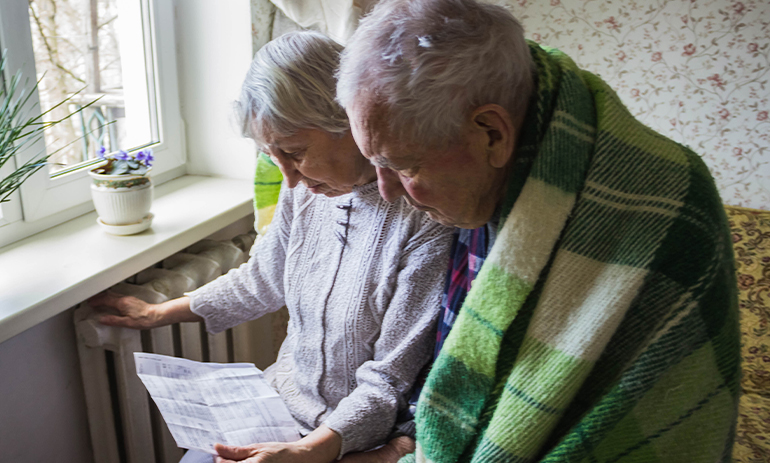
[(19, 131)]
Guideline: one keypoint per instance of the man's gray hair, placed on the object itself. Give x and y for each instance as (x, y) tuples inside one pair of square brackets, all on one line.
[(430, 62), (291, 86)]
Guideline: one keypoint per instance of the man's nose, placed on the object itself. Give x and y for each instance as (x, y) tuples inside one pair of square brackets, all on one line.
[(389, 184), (290, 173)]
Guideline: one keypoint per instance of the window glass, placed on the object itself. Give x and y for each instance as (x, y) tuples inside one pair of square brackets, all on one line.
[(87, 50)]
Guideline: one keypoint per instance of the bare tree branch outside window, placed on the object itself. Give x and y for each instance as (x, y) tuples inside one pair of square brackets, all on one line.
[(76, 49)]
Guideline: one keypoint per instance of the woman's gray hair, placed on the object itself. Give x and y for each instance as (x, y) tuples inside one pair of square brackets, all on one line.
[(290, 86), (430, 62)]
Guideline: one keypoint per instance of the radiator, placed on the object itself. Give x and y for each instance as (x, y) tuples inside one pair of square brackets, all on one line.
[(124, 424)]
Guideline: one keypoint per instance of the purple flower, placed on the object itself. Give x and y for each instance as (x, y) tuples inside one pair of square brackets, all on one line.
[(140, 156), (123, 155), (101, 152), (148, 160)]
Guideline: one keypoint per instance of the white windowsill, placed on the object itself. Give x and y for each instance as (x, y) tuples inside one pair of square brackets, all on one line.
[(47, 273)]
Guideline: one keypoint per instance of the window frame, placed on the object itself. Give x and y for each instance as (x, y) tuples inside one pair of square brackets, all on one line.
[(44, 201)]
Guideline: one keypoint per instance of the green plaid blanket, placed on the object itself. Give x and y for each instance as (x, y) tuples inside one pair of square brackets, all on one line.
[(603, 325)]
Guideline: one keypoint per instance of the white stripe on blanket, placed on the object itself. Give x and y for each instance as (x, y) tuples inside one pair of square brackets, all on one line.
[(582, 304), (419, 456), (524, 244)]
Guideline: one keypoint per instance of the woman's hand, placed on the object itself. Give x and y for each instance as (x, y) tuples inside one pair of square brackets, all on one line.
[(130, 312), (389, 453), (273, 452), (320, 446), (291, 452)]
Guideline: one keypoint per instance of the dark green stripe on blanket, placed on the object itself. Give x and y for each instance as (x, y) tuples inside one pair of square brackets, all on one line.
[(458, 416)]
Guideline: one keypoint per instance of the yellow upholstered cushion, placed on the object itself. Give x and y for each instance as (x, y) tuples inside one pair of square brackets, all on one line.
[(751, 242)]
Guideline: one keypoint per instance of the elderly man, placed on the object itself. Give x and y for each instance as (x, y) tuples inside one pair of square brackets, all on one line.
[(602, 321)]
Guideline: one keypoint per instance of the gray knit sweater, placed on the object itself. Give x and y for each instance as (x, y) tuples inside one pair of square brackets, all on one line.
[(362, 279)]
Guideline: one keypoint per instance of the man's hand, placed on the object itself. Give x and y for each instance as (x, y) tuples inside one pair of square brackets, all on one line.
[(390, 453), (130, 312), (273, 452)]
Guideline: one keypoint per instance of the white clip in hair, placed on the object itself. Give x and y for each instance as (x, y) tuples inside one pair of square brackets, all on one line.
[(424, 41)]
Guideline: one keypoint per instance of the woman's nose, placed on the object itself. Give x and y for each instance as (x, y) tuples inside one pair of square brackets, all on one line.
[(389, 184), (290, 173)]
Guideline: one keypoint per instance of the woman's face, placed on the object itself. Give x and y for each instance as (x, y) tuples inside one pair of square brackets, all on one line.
[(325, 163)]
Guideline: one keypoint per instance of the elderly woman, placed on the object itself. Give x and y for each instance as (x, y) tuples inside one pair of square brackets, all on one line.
[(361, 277)]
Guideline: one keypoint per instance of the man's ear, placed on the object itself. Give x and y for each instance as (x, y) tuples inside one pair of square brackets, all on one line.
[(499, 133)]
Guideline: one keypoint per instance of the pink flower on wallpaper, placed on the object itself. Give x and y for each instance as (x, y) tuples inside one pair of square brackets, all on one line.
[(537, 37), (611, 23), (701, 94), (716, 81), (522, 3), (555, 2)]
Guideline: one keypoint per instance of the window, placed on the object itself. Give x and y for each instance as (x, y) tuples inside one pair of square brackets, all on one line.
[(119, 51), (80, 55)]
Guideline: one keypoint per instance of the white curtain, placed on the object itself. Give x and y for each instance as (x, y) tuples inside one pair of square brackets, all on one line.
[(337, 19)]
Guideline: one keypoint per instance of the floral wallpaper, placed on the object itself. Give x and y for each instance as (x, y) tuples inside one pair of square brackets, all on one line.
[(696, 71)]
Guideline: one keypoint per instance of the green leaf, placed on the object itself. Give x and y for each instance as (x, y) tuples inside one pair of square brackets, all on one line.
[(18, 130), (141, 170), (120, 167)]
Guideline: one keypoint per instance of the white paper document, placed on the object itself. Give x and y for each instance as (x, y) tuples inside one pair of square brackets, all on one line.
[(206, 403)]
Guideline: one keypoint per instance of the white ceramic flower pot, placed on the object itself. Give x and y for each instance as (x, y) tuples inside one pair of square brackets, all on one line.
[(121, 199)]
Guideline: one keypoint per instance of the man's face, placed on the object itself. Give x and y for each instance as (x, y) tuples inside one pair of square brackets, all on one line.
[(454, 185)]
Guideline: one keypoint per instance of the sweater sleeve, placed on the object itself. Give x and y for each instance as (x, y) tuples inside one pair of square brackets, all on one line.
[(366, 417), (257, 286)]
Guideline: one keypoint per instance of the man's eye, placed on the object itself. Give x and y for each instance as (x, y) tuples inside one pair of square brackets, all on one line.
[(292, 154)]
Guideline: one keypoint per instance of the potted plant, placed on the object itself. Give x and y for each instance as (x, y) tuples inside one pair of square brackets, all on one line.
[(122, 191)]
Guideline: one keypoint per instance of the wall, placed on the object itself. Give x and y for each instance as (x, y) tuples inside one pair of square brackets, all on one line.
[(42, 406), (695, 71), (214, 50)]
